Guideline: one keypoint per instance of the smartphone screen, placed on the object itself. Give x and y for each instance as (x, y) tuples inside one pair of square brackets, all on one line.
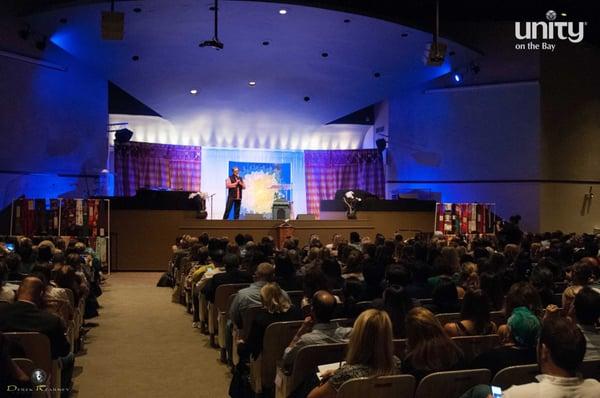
[(9, 246), (496, 392)]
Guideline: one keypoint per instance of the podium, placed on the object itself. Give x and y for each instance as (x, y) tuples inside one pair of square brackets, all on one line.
[(281, 209), (284, 231)]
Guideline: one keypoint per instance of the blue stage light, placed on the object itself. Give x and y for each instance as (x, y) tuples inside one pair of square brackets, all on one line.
[(458, 77)]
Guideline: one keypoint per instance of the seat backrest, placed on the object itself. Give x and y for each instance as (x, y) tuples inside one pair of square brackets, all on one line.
[(59, 308), (448, 317), (223, 292), (451, 384), (591, 369), (396, 386), (516, 375), (498, 317), (71, 297), (296, 297), (247, 318), (277, 337), (424, 301), (472, 346), (36, 347), (310, 356), (400, 348)]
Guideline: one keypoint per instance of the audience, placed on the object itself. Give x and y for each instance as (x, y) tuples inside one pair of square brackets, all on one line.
[(429, 349), (396, 304), (475, 316), (370, 353), (560, 352), (586, 313)]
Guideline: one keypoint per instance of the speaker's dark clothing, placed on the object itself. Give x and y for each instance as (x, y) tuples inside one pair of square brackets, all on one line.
[(234, 197)]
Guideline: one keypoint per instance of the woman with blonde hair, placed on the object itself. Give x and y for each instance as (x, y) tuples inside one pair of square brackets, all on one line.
[(276, 307), (429, 349), (370, 353)]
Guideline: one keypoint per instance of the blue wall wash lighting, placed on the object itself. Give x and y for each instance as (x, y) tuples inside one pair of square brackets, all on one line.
[(458, 77)]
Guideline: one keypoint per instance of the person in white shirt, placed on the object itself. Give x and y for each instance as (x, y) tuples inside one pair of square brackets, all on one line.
[(561, 349)]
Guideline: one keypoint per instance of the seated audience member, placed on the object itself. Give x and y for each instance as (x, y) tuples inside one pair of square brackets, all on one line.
[(231, 275), (333, 272), (374, 275), (353, 266), (314, 280), (355, 241), (65, 278), (25, 250), (429, 349), (519, 349), (285, 273), (13, 263), (587, 313), (561, 350), (447, 265), (276, 307), (317, 328), (7, 290), (396, 304), (445, 297), (56, 299), (370, 354), (25, 315), (581, 274), (468, 277), (542, 279), (475, 316), (491, 285), (523, 294)]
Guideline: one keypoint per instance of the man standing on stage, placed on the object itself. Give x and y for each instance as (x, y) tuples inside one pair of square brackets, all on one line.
[(234, 184)]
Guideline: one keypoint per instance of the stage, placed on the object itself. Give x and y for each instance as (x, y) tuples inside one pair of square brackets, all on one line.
[(142, 239)]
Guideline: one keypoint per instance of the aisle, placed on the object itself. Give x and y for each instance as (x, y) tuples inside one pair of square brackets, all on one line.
[(145, 346)]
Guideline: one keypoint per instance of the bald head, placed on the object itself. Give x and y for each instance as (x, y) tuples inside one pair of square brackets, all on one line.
[(31, 289), (323, 306), (265, 272)]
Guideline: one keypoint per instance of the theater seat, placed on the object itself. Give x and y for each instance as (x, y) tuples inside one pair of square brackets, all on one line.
[(451, 384), (397, 386), (591, 369), (516, 375)]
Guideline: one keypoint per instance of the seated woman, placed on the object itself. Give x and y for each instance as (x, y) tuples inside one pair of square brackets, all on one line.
[(445, 297), (475, 316), (429, 349), (397, 304), (370, 354), (276, 308), (285, 273)]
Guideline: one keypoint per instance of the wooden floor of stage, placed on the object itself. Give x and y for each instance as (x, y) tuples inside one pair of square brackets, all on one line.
[(141, 239)]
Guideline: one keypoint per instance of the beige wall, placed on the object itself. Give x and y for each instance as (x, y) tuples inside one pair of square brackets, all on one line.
[(565, 208)]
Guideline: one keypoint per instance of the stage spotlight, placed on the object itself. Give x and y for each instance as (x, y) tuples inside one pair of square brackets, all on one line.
[(381, 145), (123, 135), (283, 11), (193, 91), (252, 83), (458, 77)]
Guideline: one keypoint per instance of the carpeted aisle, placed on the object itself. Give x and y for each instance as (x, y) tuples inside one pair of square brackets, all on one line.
[(145, 346)]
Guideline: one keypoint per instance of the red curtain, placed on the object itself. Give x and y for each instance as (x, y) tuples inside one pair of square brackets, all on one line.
[(328, 171), (156, 166)]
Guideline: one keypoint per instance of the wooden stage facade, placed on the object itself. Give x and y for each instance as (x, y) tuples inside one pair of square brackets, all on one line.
[(141, 239)]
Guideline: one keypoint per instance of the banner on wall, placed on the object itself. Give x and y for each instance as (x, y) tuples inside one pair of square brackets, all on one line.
[(265, 182)]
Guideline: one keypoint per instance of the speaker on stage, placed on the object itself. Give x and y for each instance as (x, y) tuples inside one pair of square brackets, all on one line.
[(306, 217)]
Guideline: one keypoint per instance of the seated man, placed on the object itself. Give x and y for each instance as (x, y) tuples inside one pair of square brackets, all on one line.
[(317, 328), (232, 274), (587, 312), (25, 315), (560, 351), (523, 328)]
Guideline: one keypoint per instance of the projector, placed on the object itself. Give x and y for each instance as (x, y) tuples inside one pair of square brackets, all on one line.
[(214, 43), (435, 54)]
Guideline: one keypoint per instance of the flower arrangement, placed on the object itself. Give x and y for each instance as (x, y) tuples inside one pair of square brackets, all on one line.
[(352, 202)]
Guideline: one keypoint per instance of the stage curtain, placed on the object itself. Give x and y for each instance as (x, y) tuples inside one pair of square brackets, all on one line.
[(156, 166), (328, 171)]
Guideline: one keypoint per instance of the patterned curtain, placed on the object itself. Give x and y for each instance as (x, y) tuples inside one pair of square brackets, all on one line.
[(328, 171), (156, 166)]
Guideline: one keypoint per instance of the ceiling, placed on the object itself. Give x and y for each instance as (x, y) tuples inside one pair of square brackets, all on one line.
[(287, 71)]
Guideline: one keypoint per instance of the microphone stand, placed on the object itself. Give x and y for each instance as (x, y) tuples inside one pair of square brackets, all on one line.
[(211, 205)]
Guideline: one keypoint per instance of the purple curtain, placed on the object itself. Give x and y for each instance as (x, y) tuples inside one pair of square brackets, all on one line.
[(328, 171), (156, 166)]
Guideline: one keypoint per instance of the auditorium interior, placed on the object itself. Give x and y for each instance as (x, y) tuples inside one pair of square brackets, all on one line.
[(334, 198)]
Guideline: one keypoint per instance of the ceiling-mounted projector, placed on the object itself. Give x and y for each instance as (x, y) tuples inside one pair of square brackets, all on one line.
[(214, 43)]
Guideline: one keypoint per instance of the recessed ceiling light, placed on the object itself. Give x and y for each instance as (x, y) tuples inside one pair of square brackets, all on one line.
[(324, 54), (377, 74), (306, 99), (404, 34), (451, 53), (283, 11), (63, 20), (135, 58), (266, 43), (193, 91), (563, 14), (346, 20), (252, 83), (137, 9)]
